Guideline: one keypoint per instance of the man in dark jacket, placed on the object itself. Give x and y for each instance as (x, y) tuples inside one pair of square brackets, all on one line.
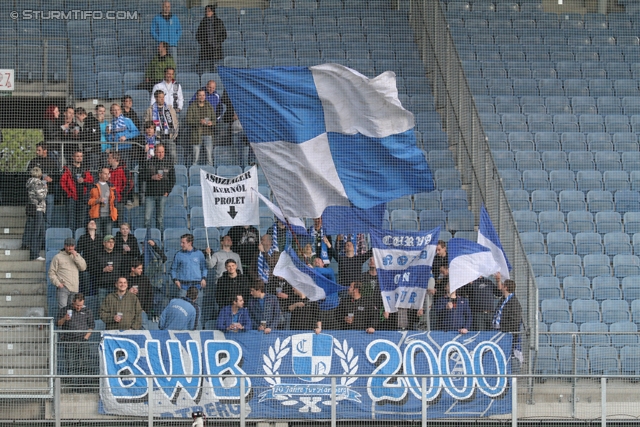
[(357, 312), (160, 177), (210, 35), (107, 267)]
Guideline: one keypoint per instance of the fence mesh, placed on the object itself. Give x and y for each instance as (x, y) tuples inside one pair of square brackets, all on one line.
[(304, 165)]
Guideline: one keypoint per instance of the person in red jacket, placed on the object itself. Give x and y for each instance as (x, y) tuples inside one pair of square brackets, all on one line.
[(119, 179), (75, 182)]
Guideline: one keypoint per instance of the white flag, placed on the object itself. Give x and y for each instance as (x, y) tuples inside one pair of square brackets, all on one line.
[(229, 201)]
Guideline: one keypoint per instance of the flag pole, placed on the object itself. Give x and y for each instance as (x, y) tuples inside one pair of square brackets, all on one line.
[(206, 234)]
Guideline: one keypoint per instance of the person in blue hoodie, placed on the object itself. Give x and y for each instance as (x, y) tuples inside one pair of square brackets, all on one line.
[(165, 27), (123, 131), (181, 314), (453, 313), (189, 267)]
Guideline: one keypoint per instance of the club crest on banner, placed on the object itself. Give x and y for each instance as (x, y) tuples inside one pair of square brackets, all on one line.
[(311, 360)]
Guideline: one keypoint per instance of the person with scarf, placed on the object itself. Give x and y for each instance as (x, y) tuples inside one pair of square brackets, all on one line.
[(321, 242), (210, 35), (165, 119), (172, 90), (508, 315), (122, 131), (201, 117)]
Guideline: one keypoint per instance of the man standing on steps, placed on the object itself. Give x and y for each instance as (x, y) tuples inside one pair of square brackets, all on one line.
[(64, 272)]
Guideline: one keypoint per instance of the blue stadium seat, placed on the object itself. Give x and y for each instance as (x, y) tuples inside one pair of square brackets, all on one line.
[(535, 180), (626, 265), (576, 287), (568, 265), (547, 361), (560, 242), (617, 243), (460, 220), (588, 243), (427, 201), (573, 360), (54, 238), (171, 240), (518, 199), (454, 200), (604, 361), (541, 264), (596, 265), (533, 242), (561, 179), (511, 179), (572, 200), (585, 311), (561, 333), (550, 221), (607, 222), (617, 181), (543, 200), (526, 220), (599, 338), (623, 333), (110, 85), (600, 200), (430, 219), (630, 360), (616, 310), (580, 221)]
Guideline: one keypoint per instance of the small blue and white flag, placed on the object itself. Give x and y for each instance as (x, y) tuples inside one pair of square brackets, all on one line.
[(403, 260), (297, 225), (305, 279), (488, 237), (468, 261), (328, 136)]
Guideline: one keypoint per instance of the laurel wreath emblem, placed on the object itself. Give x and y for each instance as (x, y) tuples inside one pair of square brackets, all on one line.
[(273, 360)]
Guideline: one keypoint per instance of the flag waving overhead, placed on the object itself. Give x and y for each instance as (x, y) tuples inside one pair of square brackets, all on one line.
[(403, 260), (488, 237), (468, 261), (297, 225), (328, 136), (304, 278), (229, 201)]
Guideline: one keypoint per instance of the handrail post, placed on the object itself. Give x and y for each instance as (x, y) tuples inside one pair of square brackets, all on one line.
[(150, 401), (334, 403), (603, 401), (243, 406), (424, 402), (514, 401)]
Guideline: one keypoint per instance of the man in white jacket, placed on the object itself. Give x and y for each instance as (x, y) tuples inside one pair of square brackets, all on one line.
[(172, 90)]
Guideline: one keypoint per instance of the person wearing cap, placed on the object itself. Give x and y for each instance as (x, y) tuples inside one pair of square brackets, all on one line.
[(64, 272), (107, 267)]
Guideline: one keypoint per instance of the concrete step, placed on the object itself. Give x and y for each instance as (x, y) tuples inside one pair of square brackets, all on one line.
[(31, 275), (36, 370), (22, 301), (32, 288), (10, 242), (19, 311), (11, 211), (13, 255), (27, 347), (11, 233), (23, 364), (22, 266), (14, 221)]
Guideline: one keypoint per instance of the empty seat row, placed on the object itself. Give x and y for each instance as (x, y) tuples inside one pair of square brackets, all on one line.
[(588, 310), (591, 265), (577, 221), (584, 243)]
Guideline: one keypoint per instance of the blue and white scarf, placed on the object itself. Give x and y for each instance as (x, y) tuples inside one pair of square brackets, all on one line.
[(118, 125), (263, 268), (498, 316), (163, 118), (274, 240), (318, 239), (151, 142)]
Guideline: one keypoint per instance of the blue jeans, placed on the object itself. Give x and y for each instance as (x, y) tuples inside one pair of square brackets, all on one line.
[(49, 215), (105, 225), (207, 140), (37, 235), (157, 202)]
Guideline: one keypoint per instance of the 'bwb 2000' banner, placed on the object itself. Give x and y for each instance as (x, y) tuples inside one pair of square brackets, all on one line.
[(214, 364)]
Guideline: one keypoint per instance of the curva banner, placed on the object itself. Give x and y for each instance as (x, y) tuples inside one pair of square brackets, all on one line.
[(377, 376)]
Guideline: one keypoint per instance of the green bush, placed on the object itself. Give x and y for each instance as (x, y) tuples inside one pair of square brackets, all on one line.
[(18, 147)]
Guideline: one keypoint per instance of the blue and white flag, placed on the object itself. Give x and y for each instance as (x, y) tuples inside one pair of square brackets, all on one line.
[(468, 261), (352, 220), (328, 136), (488, 237), (403, 260), (304, 278), (297, 225)]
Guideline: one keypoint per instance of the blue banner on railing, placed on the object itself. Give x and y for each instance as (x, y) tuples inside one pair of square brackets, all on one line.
[(215, 363)]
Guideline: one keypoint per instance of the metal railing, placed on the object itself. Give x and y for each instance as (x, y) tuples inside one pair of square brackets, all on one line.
[(468, 141)]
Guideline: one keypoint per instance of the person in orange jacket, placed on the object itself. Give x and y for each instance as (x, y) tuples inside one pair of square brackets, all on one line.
[(102, 203)]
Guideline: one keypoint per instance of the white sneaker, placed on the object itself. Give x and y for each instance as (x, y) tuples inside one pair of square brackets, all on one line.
[(40, 259)]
